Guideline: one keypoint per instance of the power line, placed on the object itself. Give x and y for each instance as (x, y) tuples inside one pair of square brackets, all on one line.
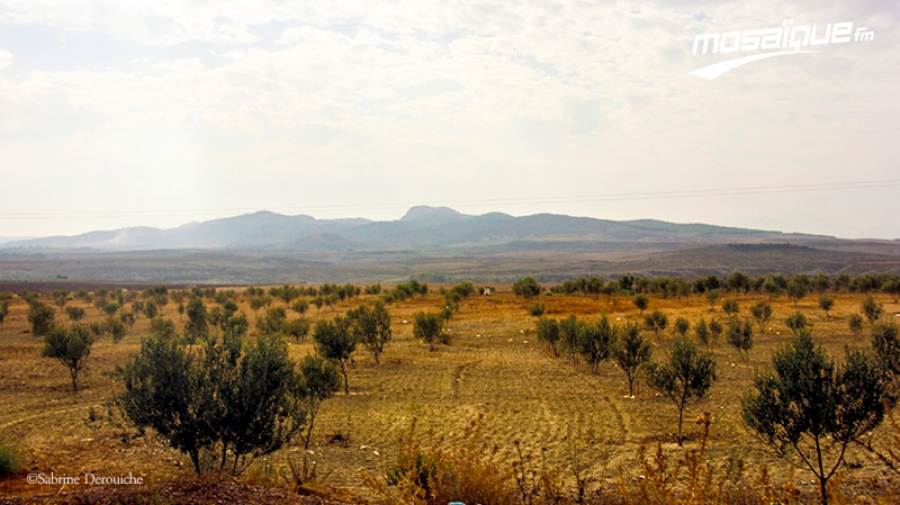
[(631, 196)]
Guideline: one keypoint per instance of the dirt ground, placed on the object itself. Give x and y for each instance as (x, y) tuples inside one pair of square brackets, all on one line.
[(494, 369)]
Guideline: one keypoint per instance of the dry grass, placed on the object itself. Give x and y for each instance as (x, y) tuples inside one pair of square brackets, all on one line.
[(543, 421)]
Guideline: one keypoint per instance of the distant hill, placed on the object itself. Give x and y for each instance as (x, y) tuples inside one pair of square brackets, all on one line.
[(421, 227)]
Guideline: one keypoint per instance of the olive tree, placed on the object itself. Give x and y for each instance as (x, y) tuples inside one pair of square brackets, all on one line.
[(71, 347), (820, 282), (826, 303), (41, 317), (798, 287), (116, 328), (855, 323), (712, 296), (428, 327), (197, 327), (656, 321), (335, 342), (224, 403), (682, 326), (886, 343), (762, 312), (526, 288), (872, 309), (631, 352), (260, 400), (797, 322), (596, 341), (150, 309), (738, 282), (731, 307), (75, 313), (715, 330), (687, 374), (740, 336), (372, 327), (892, 287), (703, 333), (812, 409), (641, 302), (548, 331), (319, 380), (273, 321), (568, 333)]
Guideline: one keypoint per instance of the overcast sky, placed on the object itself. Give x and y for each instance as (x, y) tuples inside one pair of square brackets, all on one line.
[(158, 113)]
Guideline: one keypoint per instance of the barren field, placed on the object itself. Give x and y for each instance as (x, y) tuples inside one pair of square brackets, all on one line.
[(494, 371)]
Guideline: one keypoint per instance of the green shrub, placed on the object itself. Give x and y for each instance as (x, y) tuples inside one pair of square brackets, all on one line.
[(9, 460)]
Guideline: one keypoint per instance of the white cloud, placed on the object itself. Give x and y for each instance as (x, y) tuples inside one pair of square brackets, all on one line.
[(267, 104), (6, 59)]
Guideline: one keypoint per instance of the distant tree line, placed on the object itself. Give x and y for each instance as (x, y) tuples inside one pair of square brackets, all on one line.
[(795, 286)]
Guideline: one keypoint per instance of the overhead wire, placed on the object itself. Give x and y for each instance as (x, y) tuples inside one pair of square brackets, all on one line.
[(469, 203)]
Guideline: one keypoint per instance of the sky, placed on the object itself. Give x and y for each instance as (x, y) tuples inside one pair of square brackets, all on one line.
[(158, 113)]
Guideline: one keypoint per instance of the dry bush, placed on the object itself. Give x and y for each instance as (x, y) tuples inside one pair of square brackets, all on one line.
[(464, 469), (536, 484), (695, 478), (692, 479)]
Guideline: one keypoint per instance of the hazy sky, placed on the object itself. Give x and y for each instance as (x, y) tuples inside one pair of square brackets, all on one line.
[(159, 112)]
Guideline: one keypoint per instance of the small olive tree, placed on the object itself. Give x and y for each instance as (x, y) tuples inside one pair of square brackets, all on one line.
[(687, 374), (526, 288), (336, 343), (740, 336), (892, 287), (197, 327), (855, 323), (797, 322), (372, 327), (596, 341), (41, 317), (731, 307), (548, 332), (798, 287), (428, 327), (641, 301), (712, 296), (762, 312), (568, 333), (631, 352), (682, 326), (75, 313), (320, 380), (826, 303), (656, 321), (886, 343), (703, 333), (273, 321), (715, 330), (872, 309)]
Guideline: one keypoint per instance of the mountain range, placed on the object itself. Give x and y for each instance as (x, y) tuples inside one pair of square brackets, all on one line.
[(435, 244), (421, 227)]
